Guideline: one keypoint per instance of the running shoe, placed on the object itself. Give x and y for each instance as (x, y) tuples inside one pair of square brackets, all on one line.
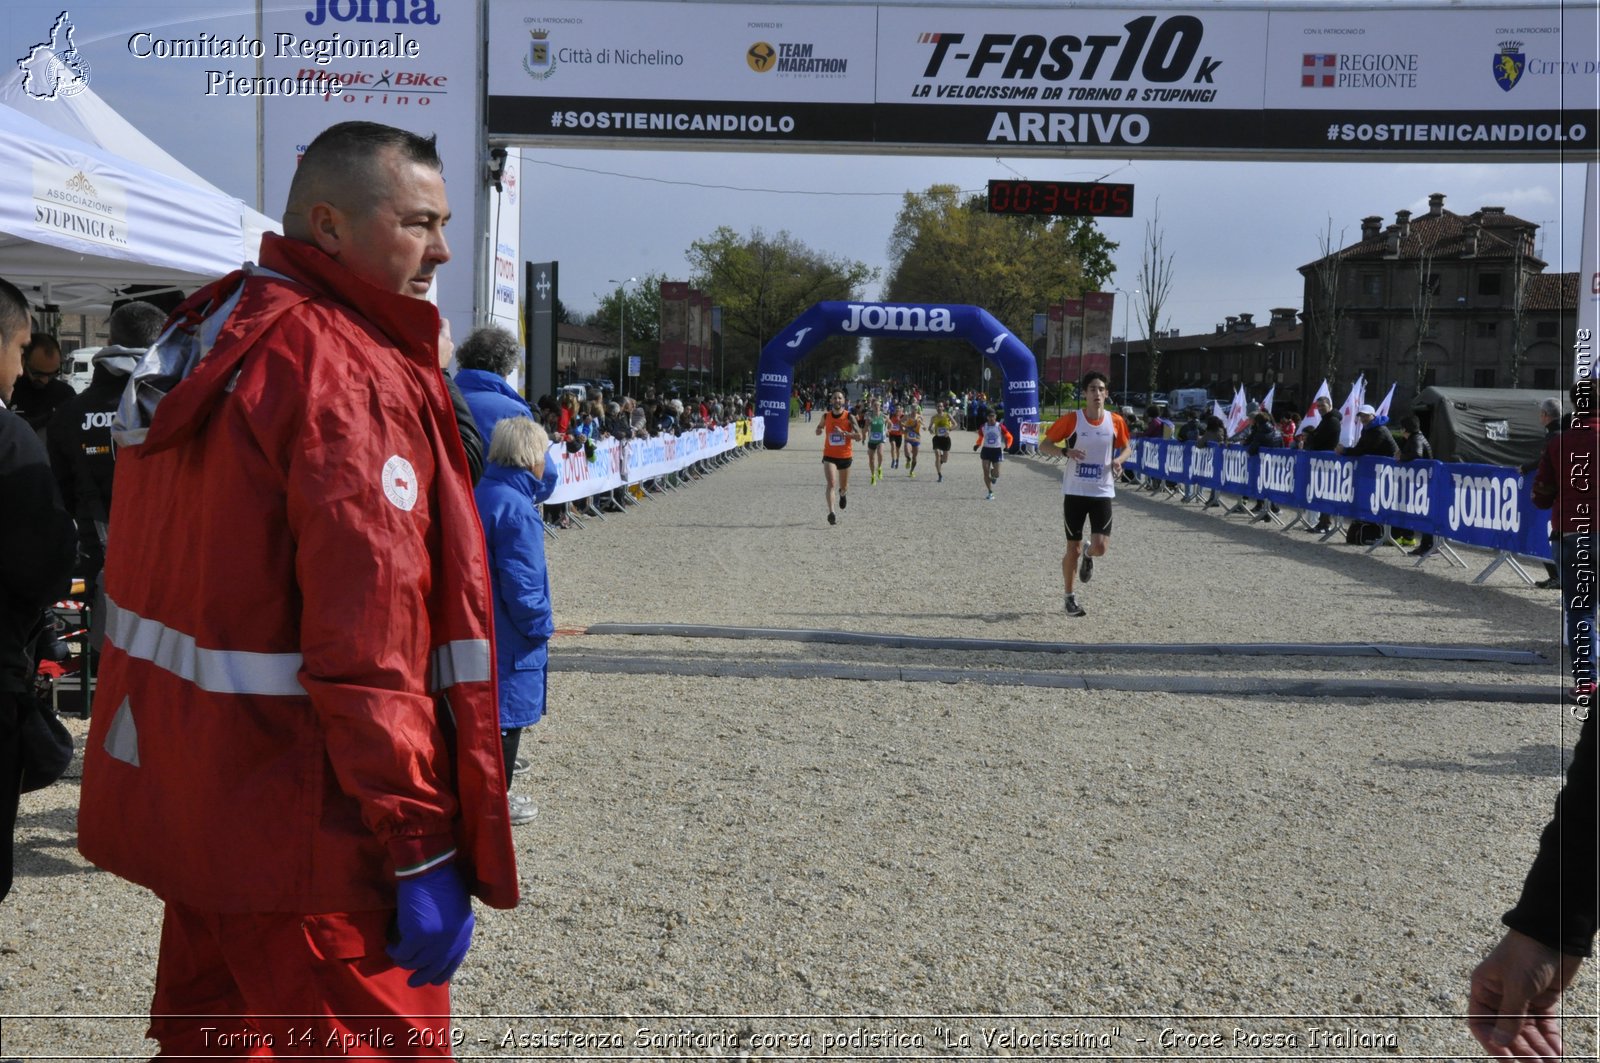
[(913, 473), (842, 500), (523, 810), (1072, 608), (940, 480), (520, 765), (832, 519), (989, 497), (1086, 568)]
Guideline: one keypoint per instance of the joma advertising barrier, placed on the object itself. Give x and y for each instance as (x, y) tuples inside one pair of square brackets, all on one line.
[(1480, 505)]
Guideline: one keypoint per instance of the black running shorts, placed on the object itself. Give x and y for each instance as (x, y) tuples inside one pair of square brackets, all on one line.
[(941, 442), (1074, 508), (838, 463)]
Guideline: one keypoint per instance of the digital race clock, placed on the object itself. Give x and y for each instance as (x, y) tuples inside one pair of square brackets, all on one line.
[(1078, 199)]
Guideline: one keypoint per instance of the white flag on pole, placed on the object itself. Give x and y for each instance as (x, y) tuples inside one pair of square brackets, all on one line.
[(1349, 427)]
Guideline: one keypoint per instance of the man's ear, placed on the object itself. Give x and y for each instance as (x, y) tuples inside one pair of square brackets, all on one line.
[(326, 223)]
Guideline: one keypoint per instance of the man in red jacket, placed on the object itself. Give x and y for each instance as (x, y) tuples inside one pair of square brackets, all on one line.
[(296, 741)]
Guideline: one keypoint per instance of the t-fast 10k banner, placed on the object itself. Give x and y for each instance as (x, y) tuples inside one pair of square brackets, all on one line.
[(1165, 79)]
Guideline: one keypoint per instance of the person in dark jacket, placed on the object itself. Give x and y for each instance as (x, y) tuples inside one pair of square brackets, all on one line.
[(40, 389), (36, 552), (1324, 436), (515, 481), (1375, 440), (79, 433), (1414, 446), (1513, 995), (1262, 434)]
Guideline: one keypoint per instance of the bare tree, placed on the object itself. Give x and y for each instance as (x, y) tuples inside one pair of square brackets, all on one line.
[(1523, 240), (1326, 311), (1155, 285), (1424, 294)]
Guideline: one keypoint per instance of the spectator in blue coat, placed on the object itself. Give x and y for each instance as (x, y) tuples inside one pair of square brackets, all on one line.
[(484, 361), (516, 479)]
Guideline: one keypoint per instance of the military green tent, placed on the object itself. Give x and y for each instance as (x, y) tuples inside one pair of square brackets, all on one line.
[(1489, 426)]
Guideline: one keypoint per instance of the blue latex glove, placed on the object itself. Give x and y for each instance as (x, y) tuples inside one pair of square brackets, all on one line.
[(435, 922)]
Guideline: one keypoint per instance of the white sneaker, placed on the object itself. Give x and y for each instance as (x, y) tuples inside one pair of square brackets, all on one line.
[(523, 810)]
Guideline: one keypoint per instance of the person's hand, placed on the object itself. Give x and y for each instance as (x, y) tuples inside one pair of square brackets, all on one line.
[(435, 921), (1512, 997), (447, 347)]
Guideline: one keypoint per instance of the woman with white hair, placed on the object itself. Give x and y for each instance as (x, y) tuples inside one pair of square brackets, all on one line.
[(516, 479)]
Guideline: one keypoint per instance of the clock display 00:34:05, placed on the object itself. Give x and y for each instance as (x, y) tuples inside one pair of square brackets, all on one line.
[(1084, 199)]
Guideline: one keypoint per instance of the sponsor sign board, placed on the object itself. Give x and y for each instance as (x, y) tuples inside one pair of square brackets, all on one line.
[(1108, 81)]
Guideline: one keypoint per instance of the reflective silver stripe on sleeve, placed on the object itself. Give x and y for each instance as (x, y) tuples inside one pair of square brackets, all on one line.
[(216, 671), (465, 661)]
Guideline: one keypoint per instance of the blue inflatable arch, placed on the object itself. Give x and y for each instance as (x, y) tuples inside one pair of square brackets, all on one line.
[(906, 321)]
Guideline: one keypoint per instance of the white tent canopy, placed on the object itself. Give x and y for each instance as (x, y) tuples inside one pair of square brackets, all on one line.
[(81, 219)]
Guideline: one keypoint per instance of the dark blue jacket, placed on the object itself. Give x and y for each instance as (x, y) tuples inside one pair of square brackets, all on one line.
[(490, 398), (508, 502)]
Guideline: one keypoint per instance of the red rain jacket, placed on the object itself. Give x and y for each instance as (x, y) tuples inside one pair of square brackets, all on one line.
[(297, 701)]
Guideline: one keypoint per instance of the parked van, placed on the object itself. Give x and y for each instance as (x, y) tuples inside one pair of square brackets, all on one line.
[(1182, 399), (77, 368)]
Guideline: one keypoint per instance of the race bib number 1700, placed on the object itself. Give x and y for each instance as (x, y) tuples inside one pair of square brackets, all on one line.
[(1090, 470)]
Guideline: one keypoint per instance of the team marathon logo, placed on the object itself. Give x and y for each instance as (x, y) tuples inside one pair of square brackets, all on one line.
[(792, 58), (1509, 63), (53, 68)]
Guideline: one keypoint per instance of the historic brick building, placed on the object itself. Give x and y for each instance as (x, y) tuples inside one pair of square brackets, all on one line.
[(1438, 299)]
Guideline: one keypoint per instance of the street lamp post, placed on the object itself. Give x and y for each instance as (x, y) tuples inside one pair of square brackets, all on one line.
[(1127, 303), (622, 332)]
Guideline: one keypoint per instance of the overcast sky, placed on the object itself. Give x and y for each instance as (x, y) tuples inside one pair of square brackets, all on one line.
[(1236, 231)]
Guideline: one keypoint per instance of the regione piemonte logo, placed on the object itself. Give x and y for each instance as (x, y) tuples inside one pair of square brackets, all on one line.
[(1318, 70), (53, 67)]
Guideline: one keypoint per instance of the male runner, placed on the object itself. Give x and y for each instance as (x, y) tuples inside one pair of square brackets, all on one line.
[(1096, 443), (994, 438), (942, 424), (842, 432)]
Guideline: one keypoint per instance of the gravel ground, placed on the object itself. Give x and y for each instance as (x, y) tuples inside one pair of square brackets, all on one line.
[(742, 854)]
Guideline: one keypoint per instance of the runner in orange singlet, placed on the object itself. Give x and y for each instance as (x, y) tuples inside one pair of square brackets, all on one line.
[(841, 432)]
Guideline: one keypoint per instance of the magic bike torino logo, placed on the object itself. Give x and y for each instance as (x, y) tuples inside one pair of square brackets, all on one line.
[(539, 61), (792, 58), (1509, 64), (53, 68)]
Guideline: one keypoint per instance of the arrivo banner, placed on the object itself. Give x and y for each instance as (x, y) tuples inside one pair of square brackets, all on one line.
[(1480, 505), (1513, 82)]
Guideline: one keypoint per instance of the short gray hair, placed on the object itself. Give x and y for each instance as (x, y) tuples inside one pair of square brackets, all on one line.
[(1550, 408), (136, 325), (519, 443), (491, 349)]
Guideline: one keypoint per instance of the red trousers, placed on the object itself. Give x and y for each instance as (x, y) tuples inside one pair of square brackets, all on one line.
[(263, 985)]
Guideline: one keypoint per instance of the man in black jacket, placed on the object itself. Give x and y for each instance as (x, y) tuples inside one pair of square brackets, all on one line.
[(36, 554), (79, 434), (40, 389), (1325, 437)]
